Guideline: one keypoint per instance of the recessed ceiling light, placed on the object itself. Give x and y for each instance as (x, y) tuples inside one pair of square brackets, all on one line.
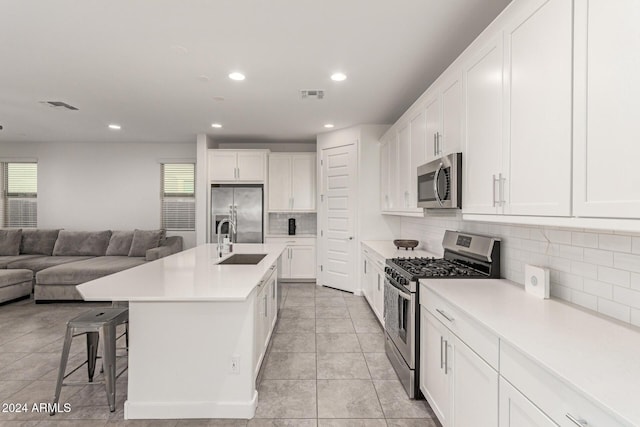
[(216, 125), (338, 77), (236, 76), (328, 125), (115, 126)]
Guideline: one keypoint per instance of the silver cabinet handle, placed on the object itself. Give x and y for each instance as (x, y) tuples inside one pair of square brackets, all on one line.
[(435, 144), (378, 282), (576, 421), (265, 306), (501, 181), (446, 357), (365, 266), (441, 345), (443, 314), (238, 173), (273, 289), (493, 183)]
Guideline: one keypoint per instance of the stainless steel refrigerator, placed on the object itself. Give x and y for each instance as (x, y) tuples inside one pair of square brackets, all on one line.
[(242, 203)]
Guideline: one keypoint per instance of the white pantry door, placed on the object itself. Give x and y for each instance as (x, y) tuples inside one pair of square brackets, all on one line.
[(338, 209)]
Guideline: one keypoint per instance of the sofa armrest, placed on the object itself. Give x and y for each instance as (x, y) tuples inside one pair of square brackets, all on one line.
[(170, 246)]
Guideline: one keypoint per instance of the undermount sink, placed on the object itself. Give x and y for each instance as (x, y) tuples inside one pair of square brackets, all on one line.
[(244, 259)]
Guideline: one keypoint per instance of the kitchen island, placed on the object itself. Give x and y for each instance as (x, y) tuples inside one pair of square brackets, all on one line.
[(198, 331)]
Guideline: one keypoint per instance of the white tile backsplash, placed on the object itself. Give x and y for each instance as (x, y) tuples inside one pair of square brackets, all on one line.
[(598, 270)]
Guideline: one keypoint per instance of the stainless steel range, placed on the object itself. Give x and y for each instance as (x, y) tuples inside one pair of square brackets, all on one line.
[(465, 256)]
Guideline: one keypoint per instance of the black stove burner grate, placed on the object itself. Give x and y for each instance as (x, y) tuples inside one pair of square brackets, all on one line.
[(434, 267)]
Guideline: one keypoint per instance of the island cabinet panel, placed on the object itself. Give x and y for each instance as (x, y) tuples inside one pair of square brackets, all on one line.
[(607, 101), (265, 316)]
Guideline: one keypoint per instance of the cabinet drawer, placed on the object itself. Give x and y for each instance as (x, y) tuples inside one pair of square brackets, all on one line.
[(482, 341), (553, 396), (292, 240), (377, 259)]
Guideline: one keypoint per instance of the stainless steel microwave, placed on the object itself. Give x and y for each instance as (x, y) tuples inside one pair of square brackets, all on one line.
[(440, 183)]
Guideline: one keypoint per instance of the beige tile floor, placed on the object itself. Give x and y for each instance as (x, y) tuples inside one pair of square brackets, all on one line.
[(326, 367)]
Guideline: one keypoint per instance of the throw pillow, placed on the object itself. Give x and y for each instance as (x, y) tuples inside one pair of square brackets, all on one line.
[(144, 240), (120, 243), (10, 241), (38, 241), (81, 243)]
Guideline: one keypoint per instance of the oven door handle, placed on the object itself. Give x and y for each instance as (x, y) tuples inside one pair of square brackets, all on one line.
[(400, 291)]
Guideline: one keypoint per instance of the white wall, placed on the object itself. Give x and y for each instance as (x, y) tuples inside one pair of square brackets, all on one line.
[(98, 186), (598, 270)]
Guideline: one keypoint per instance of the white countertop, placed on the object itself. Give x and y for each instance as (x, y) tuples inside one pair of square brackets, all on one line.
[(191, 275), (601, 358), (386, 249)]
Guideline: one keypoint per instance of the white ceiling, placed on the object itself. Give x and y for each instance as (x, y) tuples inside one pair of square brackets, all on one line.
[(139, 63)]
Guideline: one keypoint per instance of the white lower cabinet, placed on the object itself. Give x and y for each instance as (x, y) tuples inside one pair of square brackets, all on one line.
[(372, 282), (265, 316), (461, 388), (298, 261), (518, 411)]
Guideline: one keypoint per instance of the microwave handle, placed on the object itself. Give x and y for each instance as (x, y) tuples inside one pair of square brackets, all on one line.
[(435, 184)]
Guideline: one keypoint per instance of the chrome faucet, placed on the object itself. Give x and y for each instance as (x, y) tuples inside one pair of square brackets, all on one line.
[(232, 226)]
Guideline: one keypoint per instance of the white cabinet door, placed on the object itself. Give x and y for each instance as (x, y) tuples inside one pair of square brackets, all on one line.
[(394, 186), (434, 381), (452, 114), (286, 263), (432, 113), (377, 284), (302, 262), (404, 167), (606, 126), (538, 89), (483, 128), (518, 411), (475, 387), (251, 166), (418, 151), (279, 182), (303, 182), (385, 174), (222, 165)]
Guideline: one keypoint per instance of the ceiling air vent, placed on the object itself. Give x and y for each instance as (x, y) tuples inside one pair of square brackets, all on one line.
[(312, 94), (59, 104)]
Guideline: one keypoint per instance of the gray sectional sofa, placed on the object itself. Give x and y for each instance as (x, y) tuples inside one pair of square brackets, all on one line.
[(61, 259)]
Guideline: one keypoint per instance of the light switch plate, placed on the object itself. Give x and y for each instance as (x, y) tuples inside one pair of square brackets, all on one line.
[(536, 281)]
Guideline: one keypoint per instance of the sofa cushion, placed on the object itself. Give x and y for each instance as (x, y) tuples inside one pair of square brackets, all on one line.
[(6, 260), (40, 263), (144, 240), (120, 243), (13, 277), (10, 239), (38, 241), (82, 243), (84, 271)]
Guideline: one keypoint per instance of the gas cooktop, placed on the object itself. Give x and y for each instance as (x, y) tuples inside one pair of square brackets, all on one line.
[(420, 268)]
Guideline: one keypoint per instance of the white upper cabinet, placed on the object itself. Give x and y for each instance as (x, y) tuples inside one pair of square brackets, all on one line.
[(418, 151), (482, 159), (450, 138), (432, 115), (518, 123), (538, 109), (606, 105), (303, 184), (405, 174), (237, 165), (292, 182)]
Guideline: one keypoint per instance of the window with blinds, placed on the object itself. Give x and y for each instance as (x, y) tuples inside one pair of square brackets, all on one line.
[(178, 196), (19, 194)]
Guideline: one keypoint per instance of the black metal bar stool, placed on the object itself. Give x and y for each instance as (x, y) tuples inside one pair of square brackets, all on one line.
[(92, 323)]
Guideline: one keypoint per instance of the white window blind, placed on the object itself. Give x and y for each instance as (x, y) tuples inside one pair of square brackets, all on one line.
[(19, 201), (178, 196)]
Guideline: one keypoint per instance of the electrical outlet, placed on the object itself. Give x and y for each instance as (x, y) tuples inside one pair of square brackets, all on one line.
[(235, 364)]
